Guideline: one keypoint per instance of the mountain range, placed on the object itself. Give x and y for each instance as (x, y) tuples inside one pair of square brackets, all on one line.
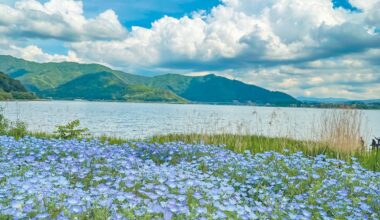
[(68, 80), (313, 100)]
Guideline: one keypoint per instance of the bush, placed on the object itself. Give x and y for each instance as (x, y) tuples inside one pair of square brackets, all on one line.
[(18, 129), (71, 131)]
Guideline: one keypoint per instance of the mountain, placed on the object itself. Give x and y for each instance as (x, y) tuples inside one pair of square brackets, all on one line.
[(322, 100), (368, 101), (216, 89), (43, 76), (13, 89), (69, 80), (336, 100), (107, 86)]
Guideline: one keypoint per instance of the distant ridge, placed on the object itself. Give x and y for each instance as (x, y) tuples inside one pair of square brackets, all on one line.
[(69, 80), (336, 100), (322, 100)]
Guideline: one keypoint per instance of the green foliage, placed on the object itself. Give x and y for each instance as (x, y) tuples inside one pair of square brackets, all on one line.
[(107, 86), (215, 89), (112, 140), (5, 95), (16, 95), (12, 89), (8, 84), (18, 129), (42, 135), (23, 95), (149, 94), (72, 131), (39, 77), (4, 123)]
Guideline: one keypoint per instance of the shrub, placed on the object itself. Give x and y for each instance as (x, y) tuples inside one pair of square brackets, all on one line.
[(71, 130), (17, 129), (4, 123)]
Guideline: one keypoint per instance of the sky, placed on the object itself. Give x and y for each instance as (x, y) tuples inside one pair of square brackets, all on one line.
[(316, 48)]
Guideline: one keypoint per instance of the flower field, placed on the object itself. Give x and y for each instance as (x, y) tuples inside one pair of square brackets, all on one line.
[(71, 179)]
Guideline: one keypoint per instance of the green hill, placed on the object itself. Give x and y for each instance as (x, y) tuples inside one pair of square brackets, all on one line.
[(43, 76), (96, 82), (107, 86), (216, 89), (13, 89)]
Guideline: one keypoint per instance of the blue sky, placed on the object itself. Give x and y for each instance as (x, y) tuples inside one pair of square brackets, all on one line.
[(144, 12), (344, 4), (317, 48)]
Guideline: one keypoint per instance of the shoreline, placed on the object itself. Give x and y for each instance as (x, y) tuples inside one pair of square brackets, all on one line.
[(335, 106)]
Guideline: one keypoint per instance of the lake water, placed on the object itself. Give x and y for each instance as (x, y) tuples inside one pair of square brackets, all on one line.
[(133, 120)]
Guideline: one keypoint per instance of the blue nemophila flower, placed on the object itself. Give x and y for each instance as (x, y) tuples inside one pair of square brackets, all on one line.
[(177, 180), (73, 201)]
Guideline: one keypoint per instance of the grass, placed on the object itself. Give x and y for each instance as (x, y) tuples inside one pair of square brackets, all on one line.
[(342, 129), (259, 144), (336, 134), (369, 159)]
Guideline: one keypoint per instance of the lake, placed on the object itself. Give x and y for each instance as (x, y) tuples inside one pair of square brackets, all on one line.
[(141, 120)]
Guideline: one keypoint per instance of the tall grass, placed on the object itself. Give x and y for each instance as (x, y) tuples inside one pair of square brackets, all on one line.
[(337, 134), (342, 130), (241, 143), (257, 144)]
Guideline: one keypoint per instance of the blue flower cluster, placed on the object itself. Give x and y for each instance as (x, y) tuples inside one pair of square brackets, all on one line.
[(57, 179)]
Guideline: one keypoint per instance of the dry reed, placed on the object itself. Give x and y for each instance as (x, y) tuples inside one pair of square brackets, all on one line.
[(342, 130)]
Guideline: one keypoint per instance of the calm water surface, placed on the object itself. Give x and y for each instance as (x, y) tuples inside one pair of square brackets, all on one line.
[(132, 120)]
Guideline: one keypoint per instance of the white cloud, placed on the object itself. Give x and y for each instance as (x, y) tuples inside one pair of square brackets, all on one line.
[(302, 47), (32, 52), (366, 5), (59, 19), (243, 33), (106, 25), (8, 15)]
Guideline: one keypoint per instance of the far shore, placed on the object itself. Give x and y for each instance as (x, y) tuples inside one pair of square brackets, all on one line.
[(375, 106)]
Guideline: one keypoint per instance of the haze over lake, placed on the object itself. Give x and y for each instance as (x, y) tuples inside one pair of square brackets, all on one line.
[(141, 120)]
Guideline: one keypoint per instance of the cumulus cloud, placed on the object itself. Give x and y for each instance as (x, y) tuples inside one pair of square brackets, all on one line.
[(58, 19), (246, 33), (302, 47), (33, 52)]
